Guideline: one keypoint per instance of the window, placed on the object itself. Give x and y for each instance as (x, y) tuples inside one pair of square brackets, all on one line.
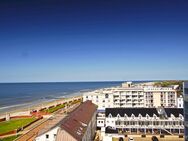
[(118, 122), (106, 95), (47, 136), (140, 116), (154, 116), (54, 135), (125, 116), (132, 116), (118, 116), (147, 116), (110, 116), (186, 90)]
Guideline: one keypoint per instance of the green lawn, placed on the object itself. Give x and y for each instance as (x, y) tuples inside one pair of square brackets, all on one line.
[(53, 109), (9, 138), (7, 126)]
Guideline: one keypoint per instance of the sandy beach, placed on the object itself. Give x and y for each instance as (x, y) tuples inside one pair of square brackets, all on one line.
[(38, 106)]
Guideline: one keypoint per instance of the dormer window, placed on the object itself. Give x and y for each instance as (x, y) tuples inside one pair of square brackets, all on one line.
[(139, 116), (118, 116), (180, 116), (132, 116), (110, 115), (147, 116), (172, 116), (154, 116), (125, 115)]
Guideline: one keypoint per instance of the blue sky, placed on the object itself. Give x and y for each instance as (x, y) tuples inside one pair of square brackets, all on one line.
[(69, 40)]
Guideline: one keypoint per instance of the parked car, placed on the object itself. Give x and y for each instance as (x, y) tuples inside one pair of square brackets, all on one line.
[(154, 138), (131, 139)]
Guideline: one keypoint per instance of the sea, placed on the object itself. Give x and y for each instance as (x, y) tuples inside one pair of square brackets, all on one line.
[(18, 95)]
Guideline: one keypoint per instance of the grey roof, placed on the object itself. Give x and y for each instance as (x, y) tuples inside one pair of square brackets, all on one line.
[(175, 111), (129, 111)]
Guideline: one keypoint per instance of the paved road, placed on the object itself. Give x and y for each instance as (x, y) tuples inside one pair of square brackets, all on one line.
[(32, 134)]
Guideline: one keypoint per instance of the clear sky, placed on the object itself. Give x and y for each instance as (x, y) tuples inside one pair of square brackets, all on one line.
[(91, 40)]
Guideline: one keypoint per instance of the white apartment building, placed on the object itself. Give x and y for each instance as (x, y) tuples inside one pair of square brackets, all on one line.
[(143, 120), (129, 95)]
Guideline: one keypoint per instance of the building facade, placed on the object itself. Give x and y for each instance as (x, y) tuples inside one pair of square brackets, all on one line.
[(133, 96), (144, 120), (185, 91), (49, 135)]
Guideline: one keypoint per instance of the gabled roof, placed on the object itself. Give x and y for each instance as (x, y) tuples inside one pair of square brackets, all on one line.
[(129, 111), (76, 123), (174, 111)]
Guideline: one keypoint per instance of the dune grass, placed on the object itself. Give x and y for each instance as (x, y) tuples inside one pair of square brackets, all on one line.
[(53, 109)]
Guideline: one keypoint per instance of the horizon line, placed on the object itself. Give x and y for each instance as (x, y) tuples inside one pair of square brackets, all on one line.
[(93, 81)]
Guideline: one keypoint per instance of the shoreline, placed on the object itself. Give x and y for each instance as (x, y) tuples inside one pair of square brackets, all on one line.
[(41, 103), (38, 106)]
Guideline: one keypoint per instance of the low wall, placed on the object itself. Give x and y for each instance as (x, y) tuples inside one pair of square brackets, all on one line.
[(15, 117), (9, 133), (2, 119), (33, 122)]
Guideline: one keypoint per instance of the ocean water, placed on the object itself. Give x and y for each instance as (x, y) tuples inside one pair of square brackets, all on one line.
[(17, 95)]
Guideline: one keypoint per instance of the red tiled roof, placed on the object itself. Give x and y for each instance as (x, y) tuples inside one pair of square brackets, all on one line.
[(76, 123)]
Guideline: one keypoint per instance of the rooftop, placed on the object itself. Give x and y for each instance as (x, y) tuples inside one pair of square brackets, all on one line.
[(76, 123), (143, 111), (174, 111), (129, 111)]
